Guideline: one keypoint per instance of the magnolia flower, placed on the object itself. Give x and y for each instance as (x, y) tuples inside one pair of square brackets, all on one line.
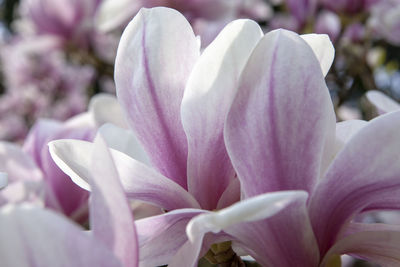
[(329, 23), (349, 6), (32, 173), (176, 103), (40, 83), (302, 10), (40, 237), (207, 17), (280, 135), (385, 20), (70, 20)]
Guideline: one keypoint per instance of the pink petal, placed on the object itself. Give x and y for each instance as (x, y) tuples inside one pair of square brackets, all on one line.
[(208, 96), (231, 194), (105, 109), (376, 243), (38, 137), (138, 180), (323, 49), (345, 130), (38, 237), (273, 228), (160, 237), (156, 53), (363, 176), (111, 217), (281, 123)]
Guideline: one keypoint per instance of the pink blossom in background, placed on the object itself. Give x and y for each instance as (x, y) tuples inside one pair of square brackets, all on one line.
[(39, 237), (207, 17), (70, 20), (32, 174), (302, 10), (40, 83), (328, 23), (385, 20)]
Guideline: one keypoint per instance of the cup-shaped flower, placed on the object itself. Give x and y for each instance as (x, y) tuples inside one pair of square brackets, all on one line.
[(280, 135), (176, 102)]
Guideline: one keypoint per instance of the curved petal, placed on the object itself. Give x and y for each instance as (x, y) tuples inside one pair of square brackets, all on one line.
[(38, 137), (124, 141), (274, 228), (364, 175), (209, 92), (281, 123), (155, 56), (377, 243), (382, 102), (106, 109), (62, 193), (160, 237), (138, 180), (345, 130), (323, 49), (112, 14), (111, 217), (38, 237), (231, 194)]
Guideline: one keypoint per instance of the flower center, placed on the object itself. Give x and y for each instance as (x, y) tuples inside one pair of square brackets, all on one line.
[(223, 255)]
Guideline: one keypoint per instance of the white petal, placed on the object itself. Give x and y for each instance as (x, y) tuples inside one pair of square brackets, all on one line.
[(252, 209), (323, 49)]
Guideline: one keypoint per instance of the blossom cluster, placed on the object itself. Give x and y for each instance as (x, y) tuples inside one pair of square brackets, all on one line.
[(221, 147)]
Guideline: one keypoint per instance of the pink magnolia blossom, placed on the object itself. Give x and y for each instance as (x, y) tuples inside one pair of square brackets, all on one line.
[(175, 156), (207, 17), (40, 83), (32, 173), (70, 20), (280, 135), (40, 237), (385, 20)]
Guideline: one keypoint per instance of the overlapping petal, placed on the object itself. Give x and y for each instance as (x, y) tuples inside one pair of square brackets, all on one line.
[(345, 130), (205, 105), (378, 243), (363, 176), (38, 237), (138, 180), (273, 227), (111, 217), (106, 109), (160, 237), (323, 49), (150, 95), (125, 141), (280, 129)]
